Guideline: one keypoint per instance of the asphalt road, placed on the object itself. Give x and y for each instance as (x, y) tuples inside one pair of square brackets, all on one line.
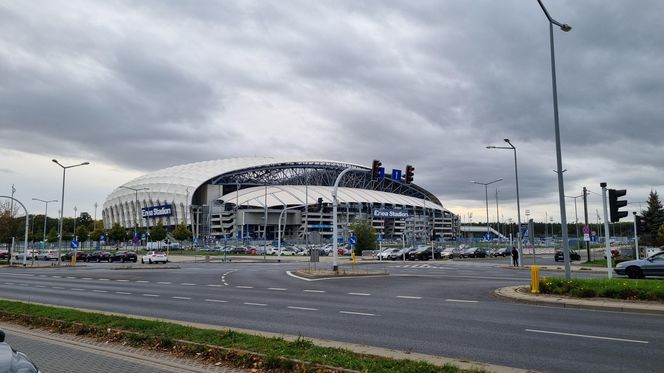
[(443, 308)]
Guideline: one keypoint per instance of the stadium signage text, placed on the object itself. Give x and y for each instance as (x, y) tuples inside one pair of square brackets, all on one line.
[(390, 214), (157, 211)]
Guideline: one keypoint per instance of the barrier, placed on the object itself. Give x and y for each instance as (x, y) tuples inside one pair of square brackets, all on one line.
[(534, 279)]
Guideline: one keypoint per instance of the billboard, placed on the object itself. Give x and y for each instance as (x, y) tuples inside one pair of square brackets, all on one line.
[(157, 211), (390, 214)]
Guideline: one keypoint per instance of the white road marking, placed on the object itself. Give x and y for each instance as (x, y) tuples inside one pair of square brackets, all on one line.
[(164, 282), (461, 301), (77, 289), (122, 292), (41, 286), (184, 298), (86, 278), (313, 291), (357, 313), (303, 308), (70, 277), (255, 304), (187, 284), (103, 279), (56, 276), (216, 300), (100, 291), (215, 286), (143, 282), (362, 294), (277, 289), (122, 280), (244, 287), (150, 295), (57, 287), (586, 336), (408, 297)]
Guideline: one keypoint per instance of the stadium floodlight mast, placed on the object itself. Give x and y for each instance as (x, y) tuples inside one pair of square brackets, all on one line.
[(62, 204), (559, 162), (486, 193), (518, 203), (45, 214)]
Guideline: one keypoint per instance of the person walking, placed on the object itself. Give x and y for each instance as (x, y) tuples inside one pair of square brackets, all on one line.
[(515, 257)]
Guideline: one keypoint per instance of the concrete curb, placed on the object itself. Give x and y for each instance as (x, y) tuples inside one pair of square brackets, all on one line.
[(522, 294)]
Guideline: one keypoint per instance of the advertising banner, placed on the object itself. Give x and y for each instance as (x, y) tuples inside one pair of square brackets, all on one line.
[(157, 211)]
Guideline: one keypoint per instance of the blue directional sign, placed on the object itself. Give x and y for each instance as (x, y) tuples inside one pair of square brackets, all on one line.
[(352, 240), (396, 174), (143, 236), (102, 238), (73, 244), (381, 173), (379, 237), (487, 236)]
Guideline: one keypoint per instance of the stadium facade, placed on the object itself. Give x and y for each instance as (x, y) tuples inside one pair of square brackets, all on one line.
[(255, 197)]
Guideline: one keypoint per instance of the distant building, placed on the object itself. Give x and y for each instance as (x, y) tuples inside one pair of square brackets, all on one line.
[(230, 198)]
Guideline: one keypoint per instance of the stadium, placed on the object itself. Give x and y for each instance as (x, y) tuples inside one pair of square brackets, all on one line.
[(255, 198)]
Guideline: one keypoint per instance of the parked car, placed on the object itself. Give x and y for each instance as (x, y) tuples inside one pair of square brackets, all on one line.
[(286, 251), (503, 251), (124, 256), (154, 257), (4, 254), (559, 257), (80, 256), (47, 255), (650, 266), (98, 256), (12, 361), (30, 254), (385, 253), (448, 253), (473, 252), (399, 254)]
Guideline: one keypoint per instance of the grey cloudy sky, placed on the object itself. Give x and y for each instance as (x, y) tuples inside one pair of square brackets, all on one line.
[(135, 86)]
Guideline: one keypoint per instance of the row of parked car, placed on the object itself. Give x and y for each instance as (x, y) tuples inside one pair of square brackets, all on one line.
[(95, 256), (425, 253)]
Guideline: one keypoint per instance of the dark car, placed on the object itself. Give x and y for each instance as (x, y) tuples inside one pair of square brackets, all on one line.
[(80, 256), (505, 251), (123, 256), (4, 255), (573, 255), (12, 361), (99, 256), (651, 266), (416, 254), (474, 252)]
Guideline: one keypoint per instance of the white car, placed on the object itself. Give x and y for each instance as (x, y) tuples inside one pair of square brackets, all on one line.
[(154, 257)]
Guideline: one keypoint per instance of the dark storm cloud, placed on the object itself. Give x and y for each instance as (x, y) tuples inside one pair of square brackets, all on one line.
[(150, 84)]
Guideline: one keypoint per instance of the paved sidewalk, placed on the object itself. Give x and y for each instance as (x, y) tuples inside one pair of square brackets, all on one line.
[(522, 293)]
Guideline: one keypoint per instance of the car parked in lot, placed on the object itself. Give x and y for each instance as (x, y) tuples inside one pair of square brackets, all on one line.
[(474, 252), (559, 257), (123, 256), (4, 254), (98, 256), (80, 256), (12, 361), (503, 251), (154, 257), (30, 254), (650, 266), (47, 255), (286, 251)]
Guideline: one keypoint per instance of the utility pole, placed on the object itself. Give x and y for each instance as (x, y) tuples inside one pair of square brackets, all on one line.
[(585, 215)]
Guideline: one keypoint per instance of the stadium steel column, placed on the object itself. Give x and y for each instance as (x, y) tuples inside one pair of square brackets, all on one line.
[(62, 204)]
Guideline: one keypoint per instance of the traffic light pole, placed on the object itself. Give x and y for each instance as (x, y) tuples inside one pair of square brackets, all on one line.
[(585, 215), (636, 238), (606, 233)]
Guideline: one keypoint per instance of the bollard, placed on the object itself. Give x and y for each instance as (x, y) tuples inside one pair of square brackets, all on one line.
[(534, 279)]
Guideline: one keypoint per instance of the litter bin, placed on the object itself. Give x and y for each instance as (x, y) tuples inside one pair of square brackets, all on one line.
[(534, 279)]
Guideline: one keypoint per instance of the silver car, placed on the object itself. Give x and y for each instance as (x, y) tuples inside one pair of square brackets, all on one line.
[(651, 266)]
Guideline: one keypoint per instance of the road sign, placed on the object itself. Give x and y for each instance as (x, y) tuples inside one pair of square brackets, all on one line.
[(487, 236), (586, 229), (586, 237), (352, 240), (73, 244)]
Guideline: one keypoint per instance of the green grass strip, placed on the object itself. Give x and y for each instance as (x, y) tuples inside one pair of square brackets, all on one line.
[(278, 352), (617, 288)]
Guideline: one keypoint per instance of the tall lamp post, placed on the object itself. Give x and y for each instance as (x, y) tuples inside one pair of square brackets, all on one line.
[(559, 161), (136, 190), (576, 224), (62, 203), (486, 194), (518, 203), (45, 214)]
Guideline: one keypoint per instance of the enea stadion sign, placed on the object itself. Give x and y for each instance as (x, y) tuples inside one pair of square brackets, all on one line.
[(157, 211), (390, 214)]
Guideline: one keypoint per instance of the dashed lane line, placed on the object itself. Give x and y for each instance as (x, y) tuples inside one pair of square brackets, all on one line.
[(244, 287), (99, 291), (277, 289), (122, 293), (357, 313), (216, 300), (164, 282), (255, 304), (57, 287), (360, 294), (76, 289), (150, 295), (143, 282), (104, 279), (187, 284), (183, 298), (303, 308), (313, 291), (408, 297), (462, 301), (122, 280), (215, 285)]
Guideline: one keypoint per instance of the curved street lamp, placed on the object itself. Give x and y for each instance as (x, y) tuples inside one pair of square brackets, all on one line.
[(559, 162), (486, 193)]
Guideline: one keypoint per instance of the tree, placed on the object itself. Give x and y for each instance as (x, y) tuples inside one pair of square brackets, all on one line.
[(82, 233), (117, 233), (181, 233), (653, 215), (158, 233), (52, 235), (84, 220), (365, 235), (96, 234)]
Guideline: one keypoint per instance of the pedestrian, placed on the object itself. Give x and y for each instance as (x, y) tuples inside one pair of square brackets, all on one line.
[(515, 257)]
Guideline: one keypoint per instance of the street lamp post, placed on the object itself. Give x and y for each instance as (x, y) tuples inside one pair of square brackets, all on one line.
[(486, 194), (559, 162), (45, 214), (518, 203), (576, 224), (136, 190), (62, 203)]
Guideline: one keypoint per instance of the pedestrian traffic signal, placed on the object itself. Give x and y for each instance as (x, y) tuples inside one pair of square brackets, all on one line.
[(615, 204), (410, 173), (641, 223), (375, 169)]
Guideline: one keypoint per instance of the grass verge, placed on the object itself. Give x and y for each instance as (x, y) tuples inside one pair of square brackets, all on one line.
[(214, 346), (619, 288)]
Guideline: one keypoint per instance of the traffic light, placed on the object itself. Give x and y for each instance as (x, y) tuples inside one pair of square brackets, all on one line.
[(410, 173), (320, 203), (615, 204), (640, 224), (375, 169)]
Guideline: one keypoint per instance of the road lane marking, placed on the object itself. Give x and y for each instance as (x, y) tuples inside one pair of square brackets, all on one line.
[(77, 289), (122, 280), (41, 286), (255, 304), (216, 300), (408, 297), (150, 295), (56, 276), (187, 284), (70, 277), (215, 286), (57, 287), (277, 289), (586, 336), (103, 279), (313, 291), (86, 278), (143, 282), (100, 291), (164, 282), (122, 292), (303, 308), (357, 313), (362, 294), (461, 301), (244, 287), (184, 298)]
